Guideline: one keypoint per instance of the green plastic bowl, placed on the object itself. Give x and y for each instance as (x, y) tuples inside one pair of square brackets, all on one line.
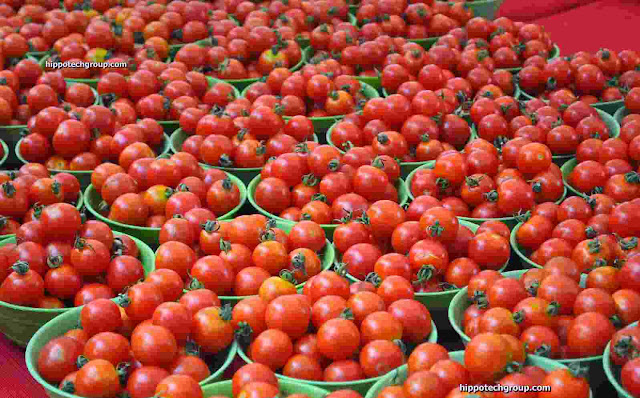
[(555, 53), (148, 235), (361, 386), (406, 168), (241, 84), (21, 323), (79, 203), (613, 371), (511, 222), (11, 134), (68, 321), (426, 43), (373, 81), (84, 176), (246, 175), (224, 389), (620, 114), (327, 256), (461, 302), (328, 228), (38, 55), (566, 169), (439, 300), (399, 377), (5, 151)]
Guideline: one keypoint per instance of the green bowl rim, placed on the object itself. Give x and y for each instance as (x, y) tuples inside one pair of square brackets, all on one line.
[(283, 384), (607, 365), (166, 148), (452, 292), (230, 214), (141, 246), (14, 127), (256, 180), (461, 296), (555, 53), (620, 114), (5, 148), (432, 338), (571, 163), (227, 169)]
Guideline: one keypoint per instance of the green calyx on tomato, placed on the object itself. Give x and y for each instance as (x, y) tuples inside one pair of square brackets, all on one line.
[(20, 267), (318, 197), (628, 243), (310, 180), (632, 177), (243, 333), (346, 146), (480, 299), (195, 284), (341, 269), (373, 278), (287, 275), (225, 245), (81, 361), (298, 263), (624, 347), (347, 313), (68, 387), (424, 275), (55, 261), (513, 367), (225, 161), (9, 189)]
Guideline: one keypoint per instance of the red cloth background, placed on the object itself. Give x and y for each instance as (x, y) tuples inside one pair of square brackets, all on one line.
[(574, 25)]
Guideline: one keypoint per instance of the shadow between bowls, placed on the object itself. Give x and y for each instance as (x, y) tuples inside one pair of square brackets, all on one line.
[(613, 371), (84, 176), (328, 228), (224, 389), (5, 152), (148, 235), (461, 302), (360, 386), (327, 257), (511, 222), (245, 174), (400, 375), (68, 321), (20, 323)]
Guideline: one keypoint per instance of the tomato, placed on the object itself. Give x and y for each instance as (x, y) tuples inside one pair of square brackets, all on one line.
[(212, 328), (142, 300), (58, 358), (97, 378), (23, 286), (486, 356), (142, 382), (589, 333), (179, 386), (563, 383)]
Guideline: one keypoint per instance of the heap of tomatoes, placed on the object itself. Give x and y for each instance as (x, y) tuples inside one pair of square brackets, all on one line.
[(318, 90), (407, 129), (433, 373), (332, 332), (326, 187), (413, 21), (152, 192), (549, 311), (59, 261), (85, 138), (592, 231), (152, 340), (429, 252), (480, 183), (246, 256), (560, 128), (601, 77), (161, 91), (26, 193), (608, 166), (27, 89)]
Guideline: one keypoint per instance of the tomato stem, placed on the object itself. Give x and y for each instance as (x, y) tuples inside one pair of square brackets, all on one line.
[(81, 361), (553, 309), (347, 313), (225, 312), (20, 267), (374, 279), (319, 197), (68, 387), (54, 261), (425, 274), (518, 316), (9, 189), (513, 367), (624, 347), (243, 333), (298, 263), (288, 276), (480, 299), (341, 269)]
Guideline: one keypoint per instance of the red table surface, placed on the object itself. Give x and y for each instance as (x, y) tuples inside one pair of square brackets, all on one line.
[(574, 25)]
